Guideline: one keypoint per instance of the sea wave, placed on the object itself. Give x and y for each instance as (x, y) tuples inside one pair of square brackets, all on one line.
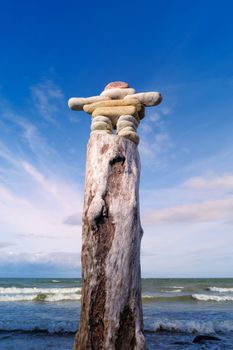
[(148, 298), (35, 290), (220, 289), (193, 326), (209, 297), (187, 297), (13, 294), (40, 297), (172, 291)]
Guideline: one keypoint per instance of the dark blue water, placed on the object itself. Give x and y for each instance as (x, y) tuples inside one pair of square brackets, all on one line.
[(38, 314)]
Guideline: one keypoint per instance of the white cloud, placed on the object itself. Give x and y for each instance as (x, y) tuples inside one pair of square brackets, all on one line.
[(224, 182), (34, 139), (44, 214), (40, 264), (165, 109), (154, 148), (155, 141), (37, 207), (198, 199), (35, 198), (153, 116), (7, 155), (48, 99), (209, 211)]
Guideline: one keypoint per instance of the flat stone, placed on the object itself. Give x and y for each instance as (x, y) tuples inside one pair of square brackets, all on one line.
[(89, 108), (117, 93), (77, 103), (147, 98), (116, 84), (115, 112)]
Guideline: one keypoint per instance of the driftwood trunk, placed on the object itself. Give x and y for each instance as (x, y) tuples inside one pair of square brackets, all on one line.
[(111, 309)]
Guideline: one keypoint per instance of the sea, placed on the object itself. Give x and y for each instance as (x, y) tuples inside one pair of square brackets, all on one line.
[(43, 314)]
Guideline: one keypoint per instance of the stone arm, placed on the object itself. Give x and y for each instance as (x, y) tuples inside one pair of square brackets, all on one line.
[(117, 107)]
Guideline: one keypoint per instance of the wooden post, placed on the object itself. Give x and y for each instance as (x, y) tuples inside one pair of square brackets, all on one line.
[(111, 309)]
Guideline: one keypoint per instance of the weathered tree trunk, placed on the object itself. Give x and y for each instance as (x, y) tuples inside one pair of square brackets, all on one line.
[(111, 310)]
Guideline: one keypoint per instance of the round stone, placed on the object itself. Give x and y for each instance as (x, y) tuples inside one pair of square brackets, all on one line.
[(102, 119), (117, 93), (128, 118), (117, 84), (126, 129), (100, 126)]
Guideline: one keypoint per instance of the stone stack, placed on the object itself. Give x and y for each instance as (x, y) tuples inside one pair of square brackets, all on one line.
[(117, 107)]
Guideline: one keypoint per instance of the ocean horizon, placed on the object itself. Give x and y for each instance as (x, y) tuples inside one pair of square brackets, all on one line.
[(43, 313)]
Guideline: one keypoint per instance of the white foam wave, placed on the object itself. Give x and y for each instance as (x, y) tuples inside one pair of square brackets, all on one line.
[(10, 294), (208, 297), (177, 287), (34, 290), (35, 297), (147, 296), (61, 297), (220, 289), (17, 297), (172, 291), (191, 326), (55, 281)]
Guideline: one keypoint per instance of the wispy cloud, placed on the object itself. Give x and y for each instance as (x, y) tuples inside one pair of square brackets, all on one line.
[(224, 182), (43, 214), (48, 99), (198, 199), (37, 190), (7, 155), (32, 136), (25, 135), (154, 149), (155, 140), (209, 211)]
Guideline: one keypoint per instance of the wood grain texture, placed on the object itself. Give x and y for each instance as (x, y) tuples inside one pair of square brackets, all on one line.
[(111, 310)]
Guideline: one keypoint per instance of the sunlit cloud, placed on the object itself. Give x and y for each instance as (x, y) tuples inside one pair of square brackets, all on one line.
[(224, 182), (198, 199), (209, 211)]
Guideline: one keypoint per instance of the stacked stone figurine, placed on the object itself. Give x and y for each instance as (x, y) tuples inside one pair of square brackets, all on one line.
[(117, 107)]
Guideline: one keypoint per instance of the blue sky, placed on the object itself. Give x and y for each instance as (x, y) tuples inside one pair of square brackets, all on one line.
[(51, 51)]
